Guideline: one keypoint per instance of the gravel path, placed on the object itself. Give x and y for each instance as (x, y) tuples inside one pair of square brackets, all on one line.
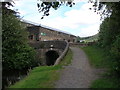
[(79, 74)]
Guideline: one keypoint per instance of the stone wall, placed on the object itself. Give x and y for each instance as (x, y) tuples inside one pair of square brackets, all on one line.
[(47, 44), (42, 47), (45, 34)]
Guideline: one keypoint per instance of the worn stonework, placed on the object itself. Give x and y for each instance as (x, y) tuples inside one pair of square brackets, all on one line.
[(44, 33), (45, 39), (42, 47), (39, 33)]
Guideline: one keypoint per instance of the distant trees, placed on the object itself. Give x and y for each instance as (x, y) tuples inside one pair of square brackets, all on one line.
[(16, 53)]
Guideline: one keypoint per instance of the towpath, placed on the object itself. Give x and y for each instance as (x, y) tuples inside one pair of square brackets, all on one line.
[(79, 74)]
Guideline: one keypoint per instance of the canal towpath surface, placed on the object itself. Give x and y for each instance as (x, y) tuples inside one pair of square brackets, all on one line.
[(79, 74)]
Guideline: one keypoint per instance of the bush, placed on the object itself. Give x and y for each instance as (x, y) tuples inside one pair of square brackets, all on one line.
[(115, 53), (16, 53)]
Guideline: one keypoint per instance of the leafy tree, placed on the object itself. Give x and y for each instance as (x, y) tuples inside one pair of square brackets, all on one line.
[(110, 27), (115, 53), (110, 34), (46, 6), (16, 53)]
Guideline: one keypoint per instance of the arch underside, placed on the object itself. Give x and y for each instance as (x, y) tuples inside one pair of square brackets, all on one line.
[(51, 57)]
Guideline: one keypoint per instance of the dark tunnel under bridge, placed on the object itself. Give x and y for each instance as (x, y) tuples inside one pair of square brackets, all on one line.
[(51, 57)]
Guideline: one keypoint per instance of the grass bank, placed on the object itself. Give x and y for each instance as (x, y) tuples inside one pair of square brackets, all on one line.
[(43, 76), (99, 59)]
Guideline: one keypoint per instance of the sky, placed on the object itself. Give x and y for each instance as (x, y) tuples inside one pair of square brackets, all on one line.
[(78, 20)]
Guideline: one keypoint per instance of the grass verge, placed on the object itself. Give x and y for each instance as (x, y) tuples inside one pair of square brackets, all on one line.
[(43, 76), (105, 83), (99, 59)]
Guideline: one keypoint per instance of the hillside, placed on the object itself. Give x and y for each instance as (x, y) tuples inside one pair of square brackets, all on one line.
[(90, 38)]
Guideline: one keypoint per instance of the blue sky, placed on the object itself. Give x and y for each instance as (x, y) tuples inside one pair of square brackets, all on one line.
[(77, 20)]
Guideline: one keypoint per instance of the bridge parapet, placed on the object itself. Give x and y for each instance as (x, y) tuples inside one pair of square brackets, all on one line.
[(78, 44), (62, 55), (47, 44)]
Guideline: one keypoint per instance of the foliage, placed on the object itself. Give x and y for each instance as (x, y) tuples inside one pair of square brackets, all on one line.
[(99, 58), (105, 9), (109, 29), (115, 53), (17, 54), (46, 6), (109, 35)]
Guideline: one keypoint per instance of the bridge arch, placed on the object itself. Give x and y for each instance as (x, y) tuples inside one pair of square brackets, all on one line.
[(51, 57)]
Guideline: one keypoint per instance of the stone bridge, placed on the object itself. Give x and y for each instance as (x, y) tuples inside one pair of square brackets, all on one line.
[(50, 52)]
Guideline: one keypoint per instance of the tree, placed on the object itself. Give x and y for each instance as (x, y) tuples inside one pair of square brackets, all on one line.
[(115, 53), (110, 34), (16, 53), (46, 6)]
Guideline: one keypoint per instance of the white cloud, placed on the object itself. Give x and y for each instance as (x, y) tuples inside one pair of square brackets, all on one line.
[(87, 6), (72, 21), (77, 1), (82, 16), (25, 7), (89, 31), (18, 3)]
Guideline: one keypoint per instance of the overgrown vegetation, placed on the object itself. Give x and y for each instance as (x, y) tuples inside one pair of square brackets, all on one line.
[(100, 59), (109, 44), (110, 35), (16, 53), (46, 6), (44, 76)]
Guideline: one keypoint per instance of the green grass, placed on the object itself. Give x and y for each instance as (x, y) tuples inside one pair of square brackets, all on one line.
[(99, 59), (43, 76), (105, 83), (67, 59), (92, 38)]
